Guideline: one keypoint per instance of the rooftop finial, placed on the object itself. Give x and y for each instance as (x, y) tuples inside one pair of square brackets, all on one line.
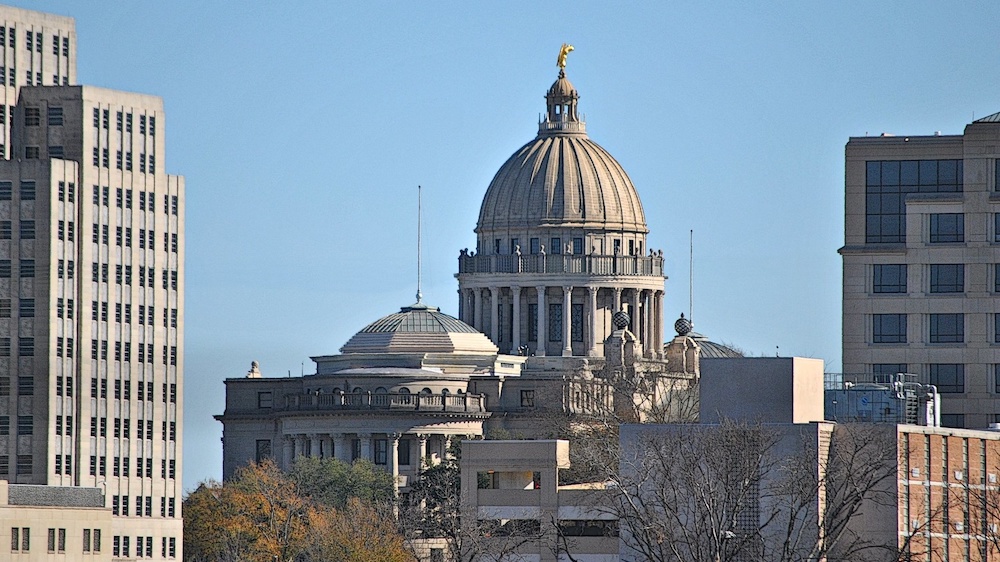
[(420, 295), (561, 61)]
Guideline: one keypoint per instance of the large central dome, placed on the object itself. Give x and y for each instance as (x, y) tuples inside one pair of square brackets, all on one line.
[(561, 179)]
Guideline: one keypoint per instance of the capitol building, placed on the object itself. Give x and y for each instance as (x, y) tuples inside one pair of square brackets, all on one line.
[(560, 318)]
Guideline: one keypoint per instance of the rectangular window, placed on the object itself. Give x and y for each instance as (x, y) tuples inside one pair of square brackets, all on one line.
[(264, 400), (31, 153), (947, 377), (555, 322), (6, 231), (947, 227), (947, 328), (26, 308), (381, 451), (578, 246), (25, 425), (535, 246), (527, 398), (32, 116), (27, 230), (26, 385), (55, 116), (576, 322), (27, 268), (996, 378), (6, 190), (28, 190), (555, 246), (24, 464), (5, 269), (947, 278)]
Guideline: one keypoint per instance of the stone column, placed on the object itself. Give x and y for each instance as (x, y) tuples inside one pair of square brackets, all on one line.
[(366, 446), (494, 316), (659, 324), (618, 300), (515, 322), (300, 445), (393, 458), (648, 345), (477, 308), (542, 326), (461, 305), (592, 322), (314, 446), (567, 322), (422, 450), (287, 452), (634, 311)]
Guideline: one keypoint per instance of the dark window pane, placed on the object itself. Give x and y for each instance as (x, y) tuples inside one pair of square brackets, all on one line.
[(947, 227), (889, 278), (889, 328), (947, 328), (947, 278), (947, 377)]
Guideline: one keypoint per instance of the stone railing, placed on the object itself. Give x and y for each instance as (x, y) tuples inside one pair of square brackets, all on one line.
[(561, 263), (475, 403)]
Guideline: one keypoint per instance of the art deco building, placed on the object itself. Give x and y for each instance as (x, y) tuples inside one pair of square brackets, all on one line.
[(922, 264), (91, 295), (37, 49)]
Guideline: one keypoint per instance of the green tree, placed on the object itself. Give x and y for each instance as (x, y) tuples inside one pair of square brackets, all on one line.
[(333, 482)]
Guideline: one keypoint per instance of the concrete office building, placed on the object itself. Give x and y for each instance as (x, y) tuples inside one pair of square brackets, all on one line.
[(91, 300), (922, 265)]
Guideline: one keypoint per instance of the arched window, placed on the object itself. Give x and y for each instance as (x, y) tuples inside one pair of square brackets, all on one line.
[(445, 391), (381, 390), (358, 390), (404, 390), (425, 391)]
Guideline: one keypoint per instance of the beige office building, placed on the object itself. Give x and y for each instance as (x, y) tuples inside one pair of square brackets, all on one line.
[(91, 298), (921, 264)]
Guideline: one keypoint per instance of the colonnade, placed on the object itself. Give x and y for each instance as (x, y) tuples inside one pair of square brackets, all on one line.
[(350, 446), (481, 307)]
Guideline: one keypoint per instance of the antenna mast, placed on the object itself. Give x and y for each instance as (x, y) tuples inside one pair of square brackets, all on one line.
[(420, 295), (691, 276)]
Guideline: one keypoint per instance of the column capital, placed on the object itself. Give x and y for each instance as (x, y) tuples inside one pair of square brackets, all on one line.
[(395, 436)]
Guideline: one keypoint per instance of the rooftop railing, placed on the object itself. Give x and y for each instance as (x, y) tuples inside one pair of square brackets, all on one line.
[(561, 263), (474, 403)]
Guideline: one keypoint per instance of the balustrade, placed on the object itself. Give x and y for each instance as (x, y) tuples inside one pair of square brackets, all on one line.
[(387, 401), (561, 263)]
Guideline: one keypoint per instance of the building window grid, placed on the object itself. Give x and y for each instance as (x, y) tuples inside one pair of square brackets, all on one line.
[(887, 184)]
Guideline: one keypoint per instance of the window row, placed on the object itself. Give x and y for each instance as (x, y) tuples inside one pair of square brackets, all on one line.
[(99, 388), (143, 506), (121, 546), (24, 464), (25, 347), (102, 119), (941, 278), (27, 188), (25, 425), (25, 308), (26, 230), (168, 469), (123, 352), (941, 328)]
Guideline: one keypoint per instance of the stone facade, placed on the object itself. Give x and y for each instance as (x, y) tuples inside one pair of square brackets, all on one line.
[(55, 523)]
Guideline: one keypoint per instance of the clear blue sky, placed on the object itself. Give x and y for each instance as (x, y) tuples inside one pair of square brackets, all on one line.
[(303, 129)]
